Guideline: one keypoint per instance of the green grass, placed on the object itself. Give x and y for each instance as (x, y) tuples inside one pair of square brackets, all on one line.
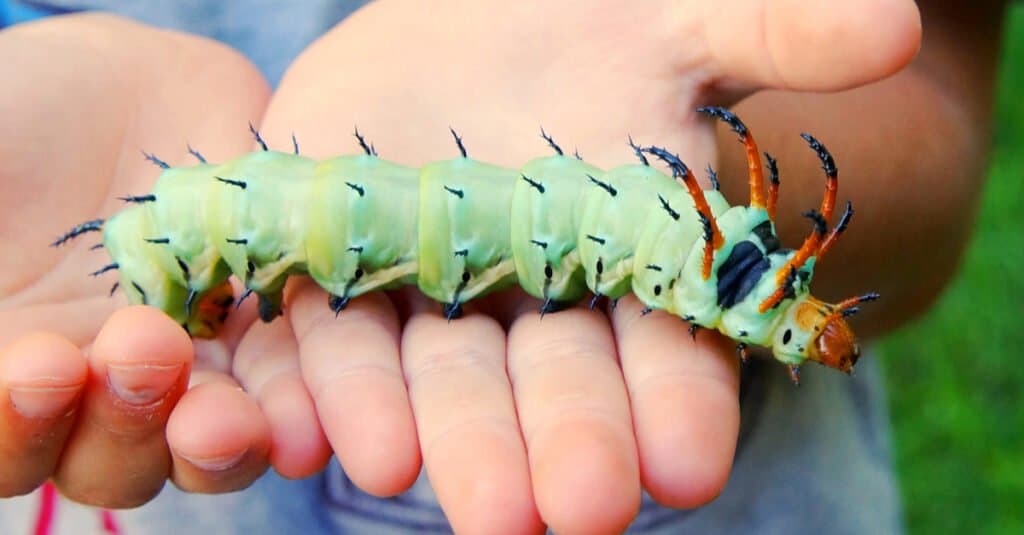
[(956, 377)]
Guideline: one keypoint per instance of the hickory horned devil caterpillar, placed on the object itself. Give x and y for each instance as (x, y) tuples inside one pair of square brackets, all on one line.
[(460, 228)]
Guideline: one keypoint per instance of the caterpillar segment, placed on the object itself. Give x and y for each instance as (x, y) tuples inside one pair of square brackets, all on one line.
[(558, 227)]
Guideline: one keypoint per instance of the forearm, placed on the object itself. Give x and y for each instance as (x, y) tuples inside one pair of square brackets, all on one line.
[(911, 152)]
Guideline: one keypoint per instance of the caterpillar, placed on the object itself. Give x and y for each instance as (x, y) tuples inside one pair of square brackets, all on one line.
[(460, 228)]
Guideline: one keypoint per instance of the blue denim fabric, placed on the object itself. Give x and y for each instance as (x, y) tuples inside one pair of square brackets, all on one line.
[(813, 459)]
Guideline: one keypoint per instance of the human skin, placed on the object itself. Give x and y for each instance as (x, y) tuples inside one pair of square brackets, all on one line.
[(510, 416)]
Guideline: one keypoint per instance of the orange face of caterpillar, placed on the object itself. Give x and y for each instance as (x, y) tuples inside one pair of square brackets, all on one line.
[(834, 345)]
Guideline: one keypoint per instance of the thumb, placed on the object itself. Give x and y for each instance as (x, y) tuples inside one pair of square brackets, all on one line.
[(809, 45)]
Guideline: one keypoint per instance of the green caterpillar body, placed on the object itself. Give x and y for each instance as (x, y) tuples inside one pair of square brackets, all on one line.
[(458, 229)]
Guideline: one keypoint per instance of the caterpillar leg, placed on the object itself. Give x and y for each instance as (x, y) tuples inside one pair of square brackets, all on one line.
[(713, 239), (756, 171)]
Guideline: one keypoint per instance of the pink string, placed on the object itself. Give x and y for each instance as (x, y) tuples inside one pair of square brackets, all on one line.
[(109, 522), (48, 510)]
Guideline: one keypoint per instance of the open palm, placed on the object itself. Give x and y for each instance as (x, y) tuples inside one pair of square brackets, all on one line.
[(511, 416)]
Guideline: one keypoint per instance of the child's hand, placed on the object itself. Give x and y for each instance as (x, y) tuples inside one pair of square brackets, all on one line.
[(80, 97), (564, 420)]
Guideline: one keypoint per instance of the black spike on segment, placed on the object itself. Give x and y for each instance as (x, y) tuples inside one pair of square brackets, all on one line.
[(104, 269), (576, 153), (452, 310), (552, 305), (97, 246), (362, 143), (551, 142), (850, 311), (356, 188), (184, 268), (188, 302), (456, 192), (259, 139), (595, 239), (161, 241), (462, 252), (196, 154), (458, 141), (355, 249), (773, 169), (245, 295), (653, 267), (295, 144), (827, 163), (727, 117), (707, 232), (337, 303), (693, 331), (603, 185), (114, 288), (541, 244), (679, 169), (639, 152), (844, 221), (138, 199), (868, 297), (141, 292), (536, 185), (668, 208), (820, 225), (713, 177), (154, 160), (94, 225), (237, 241), (236, 183)]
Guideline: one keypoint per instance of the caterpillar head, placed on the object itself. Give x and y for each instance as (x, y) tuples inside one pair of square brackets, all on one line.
[(818, 331)]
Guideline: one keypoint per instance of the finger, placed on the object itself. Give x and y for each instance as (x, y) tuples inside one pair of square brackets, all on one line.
[(217, 355), (685, 402), (42, 377), (267, 366), (350, 364), (575, 418), (816, 45), (219, 438), (468, 430), (116, 455)]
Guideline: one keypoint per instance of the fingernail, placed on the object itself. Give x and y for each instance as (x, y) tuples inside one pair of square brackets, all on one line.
[(142, 384), (215, 463), (42, 401)]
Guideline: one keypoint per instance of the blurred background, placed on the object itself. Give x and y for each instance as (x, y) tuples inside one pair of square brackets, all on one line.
[(956, 377)]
